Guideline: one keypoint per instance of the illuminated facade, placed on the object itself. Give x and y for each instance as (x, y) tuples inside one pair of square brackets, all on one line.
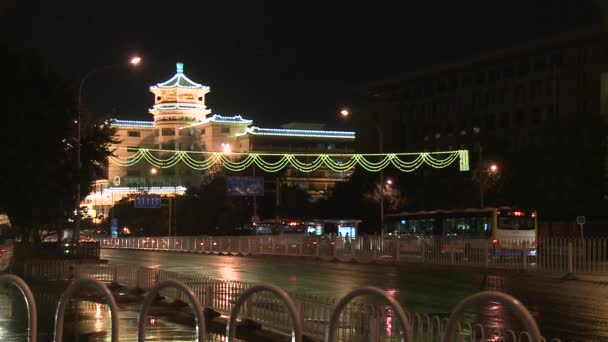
[(182, 121)]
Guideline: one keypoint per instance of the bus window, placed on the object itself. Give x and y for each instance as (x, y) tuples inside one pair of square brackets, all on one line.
[(516, 223)]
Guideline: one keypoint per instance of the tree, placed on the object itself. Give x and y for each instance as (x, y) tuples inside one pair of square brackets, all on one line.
[(39, 175)]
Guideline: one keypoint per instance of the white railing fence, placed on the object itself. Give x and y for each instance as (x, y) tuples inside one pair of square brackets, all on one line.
[(548, 254), (360, 320)]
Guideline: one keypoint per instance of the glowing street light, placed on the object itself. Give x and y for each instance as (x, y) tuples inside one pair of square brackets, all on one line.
[(135, 60), (153, 171), (389, 182), (493, 168), (344, 112)]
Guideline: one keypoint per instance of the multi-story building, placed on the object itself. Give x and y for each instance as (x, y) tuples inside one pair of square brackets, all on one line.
[(182, 121), (521, 105)]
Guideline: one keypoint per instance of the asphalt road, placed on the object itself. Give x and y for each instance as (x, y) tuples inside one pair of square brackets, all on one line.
[(568, 309)]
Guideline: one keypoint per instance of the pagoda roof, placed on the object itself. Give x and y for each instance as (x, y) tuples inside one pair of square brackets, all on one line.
[(237, 119), (304, 133), (179, 80)]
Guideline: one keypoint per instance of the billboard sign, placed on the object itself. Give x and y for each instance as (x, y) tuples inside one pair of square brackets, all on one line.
[(244, 186), (147, 201)]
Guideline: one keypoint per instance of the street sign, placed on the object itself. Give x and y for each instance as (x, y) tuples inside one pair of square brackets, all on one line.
[(147, 201), (581, 219), (244, 186)]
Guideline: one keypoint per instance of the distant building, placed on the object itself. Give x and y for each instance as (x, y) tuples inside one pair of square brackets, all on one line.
[(181, 121), (511, 103)]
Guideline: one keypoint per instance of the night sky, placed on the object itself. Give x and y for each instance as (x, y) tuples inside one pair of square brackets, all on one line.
[(273, 62)]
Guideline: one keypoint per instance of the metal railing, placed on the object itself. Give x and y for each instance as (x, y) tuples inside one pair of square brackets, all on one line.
[(407, 328), (361, 319), (588, 255)]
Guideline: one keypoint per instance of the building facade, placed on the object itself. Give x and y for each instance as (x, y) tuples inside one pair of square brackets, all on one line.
[(182, 122), (519, 106)]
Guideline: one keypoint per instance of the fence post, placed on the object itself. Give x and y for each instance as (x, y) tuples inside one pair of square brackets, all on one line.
[(525, 257), (398, 251), (209, 297), (570, 257), (486, 255), (374, 327), (334, 246), (317, 251)]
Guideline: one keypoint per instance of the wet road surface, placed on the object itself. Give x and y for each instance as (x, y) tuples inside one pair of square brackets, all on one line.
[(570, 310)]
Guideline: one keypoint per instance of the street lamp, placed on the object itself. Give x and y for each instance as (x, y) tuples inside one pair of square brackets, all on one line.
[(345, 113), (133, 61), (485, 175)]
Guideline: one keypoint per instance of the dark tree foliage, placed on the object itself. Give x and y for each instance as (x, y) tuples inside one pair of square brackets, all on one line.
[(295, 203), (348, 201), (39, 176)]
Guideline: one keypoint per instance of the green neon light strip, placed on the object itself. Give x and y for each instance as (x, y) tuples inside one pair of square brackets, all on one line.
[(404, 162)]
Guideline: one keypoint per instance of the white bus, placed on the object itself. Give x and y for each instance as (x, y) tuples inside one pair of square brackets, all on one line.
[(510, 229)]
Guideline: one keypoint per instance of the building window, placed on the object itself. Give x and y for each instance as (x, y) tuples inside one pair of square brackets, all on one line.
[(133, 172), (505, 120), (535, 89), (169, 146), (540, 64), (225, 130), (166, 132), (509, 72), (453, 83), (520, 94), (557, 59), (133, 133), (536, 116), (491, 122), (523, 69), (183, 132), (519, 119), (481, 77), (202, 131)]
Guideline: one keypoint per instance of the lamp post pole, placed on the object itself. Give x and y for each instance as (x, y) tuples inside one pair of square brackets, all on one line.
[(345, 113), (77, 220), (381, 184)]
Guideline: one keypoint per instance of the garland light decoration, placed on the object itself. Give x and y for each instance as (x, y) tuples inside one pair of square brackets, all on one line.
[(274, 162)]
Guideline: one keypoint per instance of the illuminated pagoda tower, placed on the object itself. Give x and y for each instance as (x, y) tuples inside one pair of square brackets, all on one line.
[(182, 121)]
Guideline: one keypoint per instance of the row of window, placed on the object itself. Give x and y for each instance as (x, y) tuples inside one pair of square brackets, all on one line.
[(520, 94), (131, 172), (518, 70), (170, 132), (504, 120)]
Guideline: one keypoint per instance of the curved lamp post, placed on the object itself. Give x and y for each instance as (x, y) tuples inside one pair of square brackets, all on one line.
[(76, 233)]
